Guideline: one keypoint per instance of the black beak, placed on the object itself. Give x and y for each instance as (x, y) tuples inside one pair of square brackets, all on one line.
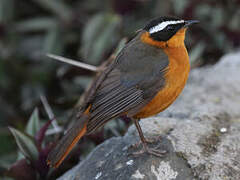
[(190, 22)]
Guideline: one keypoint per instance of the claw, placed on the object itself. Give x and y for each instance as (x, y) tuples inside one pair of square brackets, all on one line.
[(152, 151)]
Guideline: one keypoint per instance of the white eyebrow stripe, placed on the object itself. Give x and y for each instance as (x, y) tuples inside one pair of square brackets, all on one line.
[(162, 25)]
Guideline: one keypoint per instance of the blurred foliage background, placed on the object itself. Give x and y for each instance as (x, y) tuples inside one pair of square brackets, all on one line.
[(89, 31)]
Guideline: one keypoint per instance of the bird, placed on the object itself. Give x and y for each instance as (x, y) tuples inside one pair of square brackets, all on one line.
[(145, 78)]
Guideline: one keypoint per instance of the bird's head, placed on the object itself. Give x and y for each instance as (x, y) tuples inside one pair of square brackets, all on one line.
[(166, 31)]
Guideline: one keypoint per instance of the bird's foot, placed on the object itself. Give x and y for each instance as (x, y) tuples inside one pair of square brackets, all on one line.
[(147, 140), (146, 149), (152, 151)]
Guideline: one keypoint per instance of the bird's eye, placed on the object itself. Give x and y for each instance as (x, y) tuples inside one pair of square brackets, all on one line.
[(169, 28)]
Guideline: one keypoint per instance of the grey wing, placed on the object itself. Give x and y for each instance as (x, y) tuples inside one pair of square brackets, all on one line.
[(129, 85), (112, 99)]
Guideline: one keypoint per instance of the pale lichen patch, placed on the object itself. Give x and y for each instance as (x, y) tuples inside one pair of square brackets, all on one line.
[(138, 175), (164, 171)]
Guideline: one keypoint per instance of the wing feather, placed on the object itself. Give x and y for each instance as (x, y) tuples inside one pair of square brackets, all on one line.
[(111, 97), (109, 111)]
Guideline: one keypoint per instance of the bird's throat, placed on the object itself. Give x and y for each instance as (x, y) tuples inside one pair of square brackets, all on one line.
[(175, 41)]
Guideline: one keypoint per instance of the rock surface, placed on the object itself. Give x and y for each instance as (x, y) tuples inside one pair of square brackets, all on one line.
[(200, 131)]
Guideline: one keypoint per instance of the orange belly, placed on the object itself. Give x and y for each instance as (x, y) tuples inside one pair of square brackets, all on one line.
[(175, 80)]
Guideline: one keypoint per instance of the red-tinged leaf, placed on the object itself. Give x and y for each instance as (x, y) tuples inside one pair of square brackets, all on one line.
[(21, 170), (41, 163), (41, 134)]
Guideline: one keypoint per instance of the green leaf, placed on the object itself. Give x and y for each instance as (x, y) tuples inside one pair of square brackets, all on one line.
[(53, 41), (25, 144), (20, 155), (234, 22), (179, 6), (35, 24), (57, 7), (33, 124), (120, 46), (83, 81), (7, 159), (99, 36), (218, 17), (203, 11), (6, 11)]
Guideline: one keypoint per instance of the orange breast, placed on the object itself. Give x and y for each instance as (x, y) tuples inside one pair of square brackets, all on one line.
[(176, 78)]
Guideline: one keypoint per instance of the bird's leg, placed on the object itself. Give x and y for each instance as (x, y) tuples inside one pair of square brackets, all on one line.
[(152, 151)]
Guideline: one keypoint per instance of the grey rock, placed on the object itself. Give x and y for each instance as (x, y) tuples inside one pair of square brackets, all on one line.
[(200, 131)]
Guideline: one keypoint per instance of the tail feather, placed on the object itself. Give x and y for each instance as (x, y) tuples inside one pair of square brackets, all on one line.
[(65, 145)]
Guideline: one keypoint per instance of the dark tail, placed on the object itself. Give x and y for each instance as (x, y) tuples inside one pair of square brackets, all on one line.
[(65, 145)]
